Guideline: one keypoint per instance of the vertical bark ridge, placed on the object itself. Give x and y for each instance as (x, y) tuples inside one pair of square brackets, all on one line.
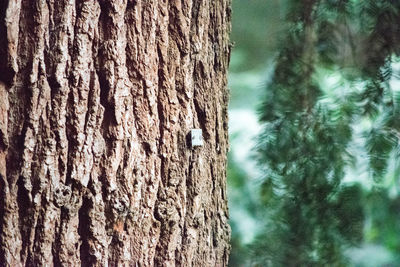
[(13, 130), (95, 163), (9, 14)]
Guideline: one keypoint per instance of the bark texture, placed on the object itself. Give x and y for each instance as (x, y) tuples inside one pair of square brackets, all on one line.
[(97, 98)]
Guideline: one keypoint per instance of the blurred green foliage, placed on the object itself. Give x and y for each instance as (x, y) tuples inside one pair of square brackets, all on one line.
[(256, 24), (330, 106)]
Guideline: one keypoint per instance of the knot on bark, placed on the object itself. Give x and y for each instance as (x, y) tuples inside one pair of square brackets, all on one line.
[(120, 206), (62, 195)]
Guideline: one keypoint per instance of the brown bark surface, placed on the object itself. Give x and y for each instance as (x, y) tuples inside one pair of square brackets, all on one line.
[(97, 99)]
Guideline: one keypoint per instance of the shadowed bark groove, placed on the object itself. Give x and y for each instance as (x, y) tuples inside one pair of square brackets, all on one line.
[(97, 99)]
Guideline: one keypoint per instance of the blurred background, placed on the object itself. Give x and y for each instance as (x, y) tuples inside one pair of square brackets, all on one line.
[(259, 27)]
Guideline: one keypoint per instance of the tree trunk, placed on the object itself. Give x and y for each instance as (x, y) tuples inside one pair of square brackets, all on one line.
[(97, 100)]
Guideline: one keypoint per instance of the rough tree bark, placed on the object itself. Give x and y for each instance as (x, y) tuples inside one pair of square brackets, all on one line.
[(97, 98)]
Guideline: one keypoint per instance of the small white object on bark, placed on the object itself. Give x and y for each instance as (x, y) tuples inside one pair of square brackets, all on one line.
[(196, 137)]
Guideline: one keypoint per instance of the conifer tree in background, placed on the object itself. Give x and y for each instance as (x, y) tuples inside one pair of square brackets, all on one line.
[(314, 216)]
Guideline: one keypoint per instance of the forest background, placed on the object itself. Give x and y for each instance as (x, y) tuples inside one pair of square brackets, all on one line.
[(354, 83)]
